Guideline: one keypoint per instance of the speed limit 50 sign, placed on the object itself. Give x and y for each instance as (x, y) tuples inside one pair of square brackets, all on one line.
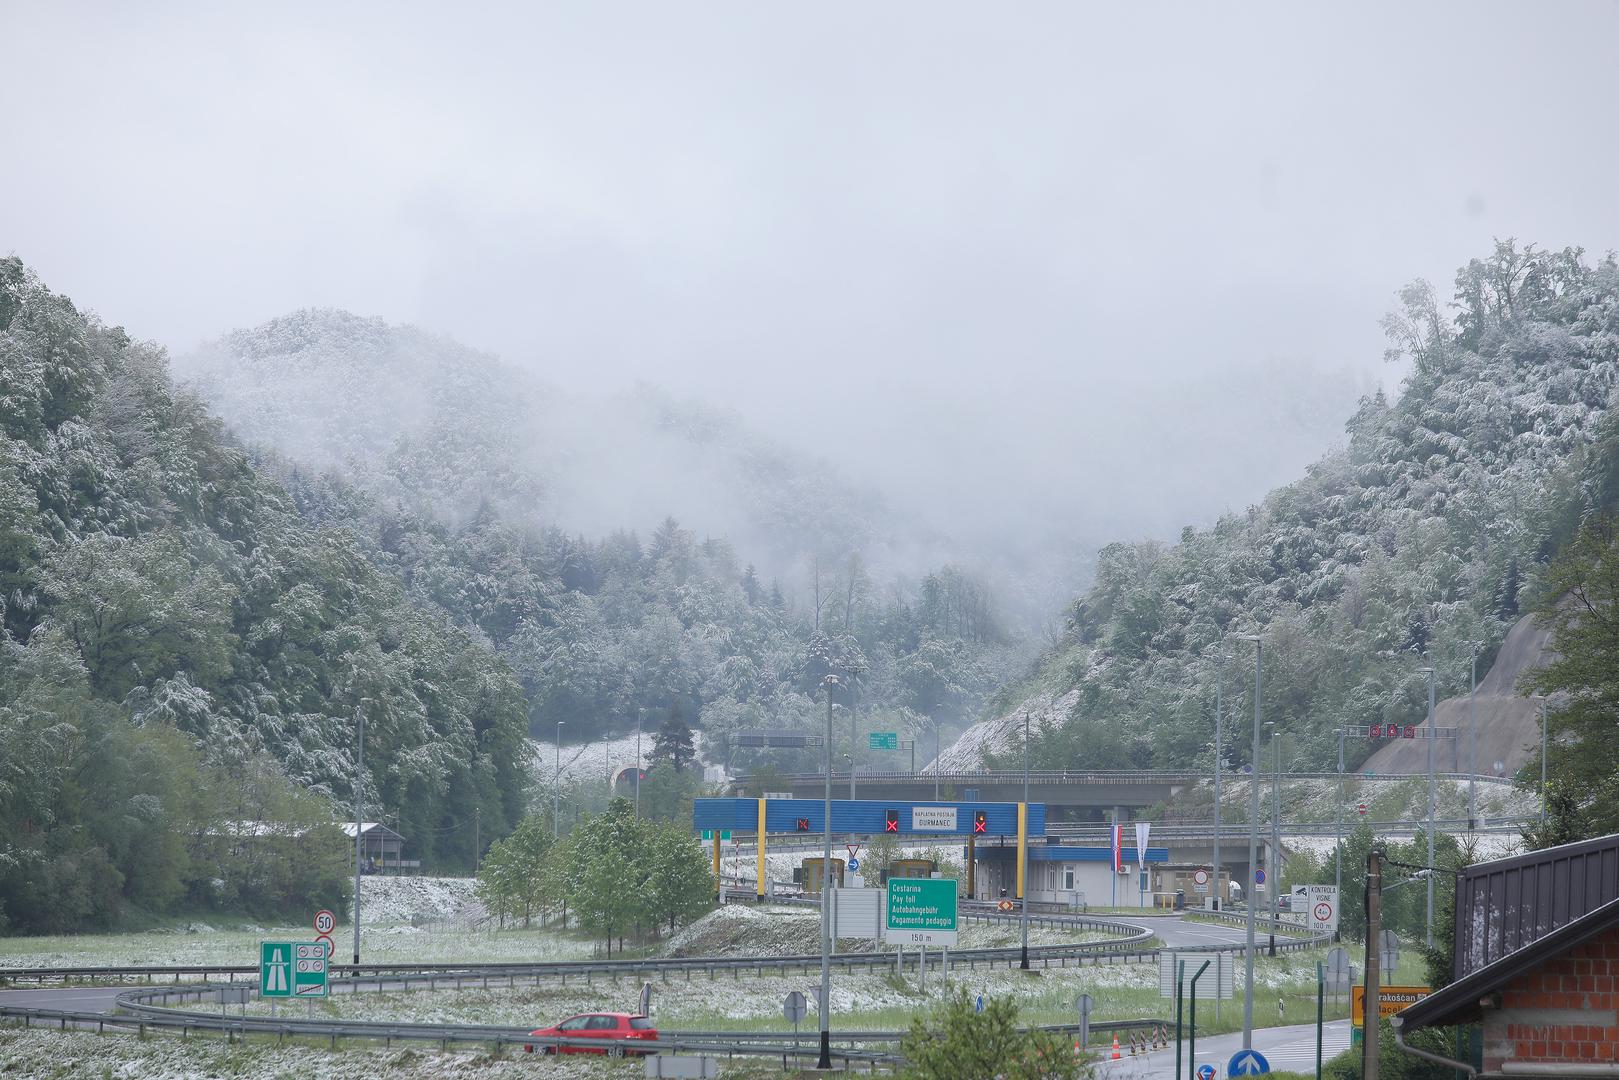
[(324, 921)]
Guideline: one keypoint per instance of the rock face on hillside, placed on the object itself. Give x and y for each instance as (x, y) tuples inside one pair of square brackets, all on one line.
[(1003, 733), (1508, 722)]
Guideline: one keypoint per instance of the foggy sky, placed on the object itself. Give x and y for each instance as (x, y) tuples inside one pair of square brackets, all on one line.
[(969, 251)]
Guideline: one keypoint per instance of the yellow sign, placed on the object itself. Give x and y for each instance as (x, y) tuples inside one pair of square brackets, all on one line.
[(1390, 1000)]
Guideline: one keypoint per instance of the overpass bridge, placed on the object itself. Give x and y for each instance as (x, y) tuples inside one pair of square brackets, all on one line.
[(1075, 794)]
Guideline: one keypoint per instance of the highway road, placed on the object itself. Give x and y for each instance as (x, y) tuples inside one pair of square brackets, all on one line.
[(1288, 1049)]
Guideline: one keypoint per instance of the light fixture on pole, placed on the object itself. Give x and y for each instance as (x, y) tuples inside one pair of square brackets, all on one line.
[(1472, 744), (639, 714), (1253, 849), (556, 788)]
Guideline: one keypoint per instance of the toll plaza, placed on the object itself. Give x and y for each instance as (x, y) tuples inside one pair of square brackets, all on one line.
[(975, 822)]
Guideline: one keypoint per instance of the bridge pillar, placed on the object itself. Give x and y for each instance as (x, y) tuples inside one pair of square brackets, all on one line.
[(1022, 845), (759, 873), (972, 868)]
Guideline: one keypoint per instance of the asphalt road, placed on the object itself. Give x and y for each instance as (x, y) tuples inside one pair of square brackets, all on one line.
[(1287, 1049)]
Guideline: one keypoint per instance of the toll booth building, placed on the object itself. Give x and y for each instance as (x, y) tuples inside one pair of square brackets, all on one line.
[(1069, 876)]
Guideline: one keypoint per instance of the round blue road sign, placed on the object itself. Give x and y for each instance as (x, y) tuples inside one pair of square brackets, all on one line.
[(1259, 876), (854, 864), (1247, 1063), (1205, 1072)]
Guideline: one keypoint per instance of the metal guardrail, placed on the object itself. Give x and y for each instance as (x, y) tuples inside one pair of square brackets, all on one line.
[(1086, 830)]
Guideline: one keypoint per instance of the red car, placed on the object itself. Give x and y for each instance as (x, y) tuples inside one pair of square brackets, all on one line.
[(599, 1026)]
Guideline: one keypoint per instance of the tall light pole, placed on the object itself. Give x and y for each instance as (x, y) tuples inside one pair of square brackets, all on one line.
[(1275, 859), (825, 1061), (851, 738), (1338, 832), (935, 759), (1219, 724), (1433, 795), (639, 715), (1023, 868), (1542, 771), (1472, 745), (359, 822), (1253, 851), (556, 789)]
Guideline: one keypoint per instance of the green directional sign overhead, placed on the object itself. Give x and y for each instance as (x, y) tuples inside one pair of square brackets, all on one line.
[(883, 740), (922, 911)]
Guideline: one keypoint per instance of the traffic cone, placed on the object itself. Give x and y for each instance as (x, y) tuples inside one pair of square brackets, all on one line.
[(1115, 1054)]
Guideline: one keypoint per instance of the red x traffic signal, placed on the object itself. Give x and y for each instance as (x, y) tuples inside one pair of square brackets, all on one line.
[(893, 821), (980, 822)]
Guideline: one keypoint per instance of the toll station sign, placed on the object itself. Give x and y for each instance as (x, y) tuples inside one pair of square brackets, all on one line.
[(933, 819), (921, 911)]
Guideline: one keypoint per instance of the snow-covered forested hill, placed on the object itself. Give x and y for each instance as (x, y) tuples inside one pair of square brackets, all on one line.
[(417, 418), (183, 655), (1420, 541), (546, 525)]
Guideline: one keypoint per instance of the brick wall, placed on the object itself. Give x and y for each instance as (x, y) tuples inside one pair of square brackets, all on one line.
[(1566, 1011)]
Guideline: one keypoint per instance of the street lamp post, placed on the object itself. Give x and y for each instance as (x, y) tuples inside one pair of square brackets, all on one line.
[(1542, 771), (639, 714), (1274, 860), (1338, 831), (935, 759), (851, 739), (1219, 724), (825, 1060), (1253, 850), (1023, 868), (1433, 795), (359, 823), (556, 788)]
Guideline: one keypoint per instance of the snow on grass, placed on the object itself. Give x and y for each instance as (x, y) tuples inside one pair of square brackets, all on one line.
[(388, 899), (586, 762), (754, 930), (27, 1054), (382, 944)]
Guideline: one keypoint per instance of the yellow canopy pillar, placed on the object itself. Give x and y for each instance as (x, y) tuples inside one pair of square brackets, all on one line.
[(1022, 845), (719, 885), (759, 873)]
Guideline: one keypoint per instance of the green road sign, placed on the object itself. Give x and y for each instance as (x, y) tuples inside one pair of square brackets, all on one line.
[(883, 740), (708, 834), (922, 911), (292, 969), (725, 834)]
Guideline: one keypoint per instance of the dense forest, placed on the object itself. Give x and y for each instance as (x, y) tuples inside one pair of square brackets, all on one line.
[(1420, 541), (452, 481), (185, 658)]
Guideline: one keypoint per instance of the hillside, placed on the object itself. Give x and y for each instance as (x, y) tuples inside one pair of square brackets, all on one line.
[(524, 516), (1417, 542), (181, 649), (420, 419)]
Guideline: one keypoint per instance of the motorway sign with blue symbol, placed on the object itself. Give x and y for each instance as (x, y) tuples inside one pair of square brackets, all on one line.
[(1247, 1063), (854, 864), (1205, 1072)]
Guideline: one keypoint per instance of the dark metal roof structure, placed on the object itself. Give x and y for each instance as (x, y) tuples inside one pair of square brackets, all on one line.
[(1458, 1003), (1505, 905)]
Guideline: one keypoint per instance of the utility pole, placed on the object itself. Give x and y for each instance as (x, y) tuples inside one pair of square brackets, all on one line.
[(359, 822), (1219, 721), (1023, 869), (935, 759), (1472, 746), (477, 838), (1251, 893), (825, 1060), (639, 715), (1433, 796), (1374, 959), (556, 789)]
